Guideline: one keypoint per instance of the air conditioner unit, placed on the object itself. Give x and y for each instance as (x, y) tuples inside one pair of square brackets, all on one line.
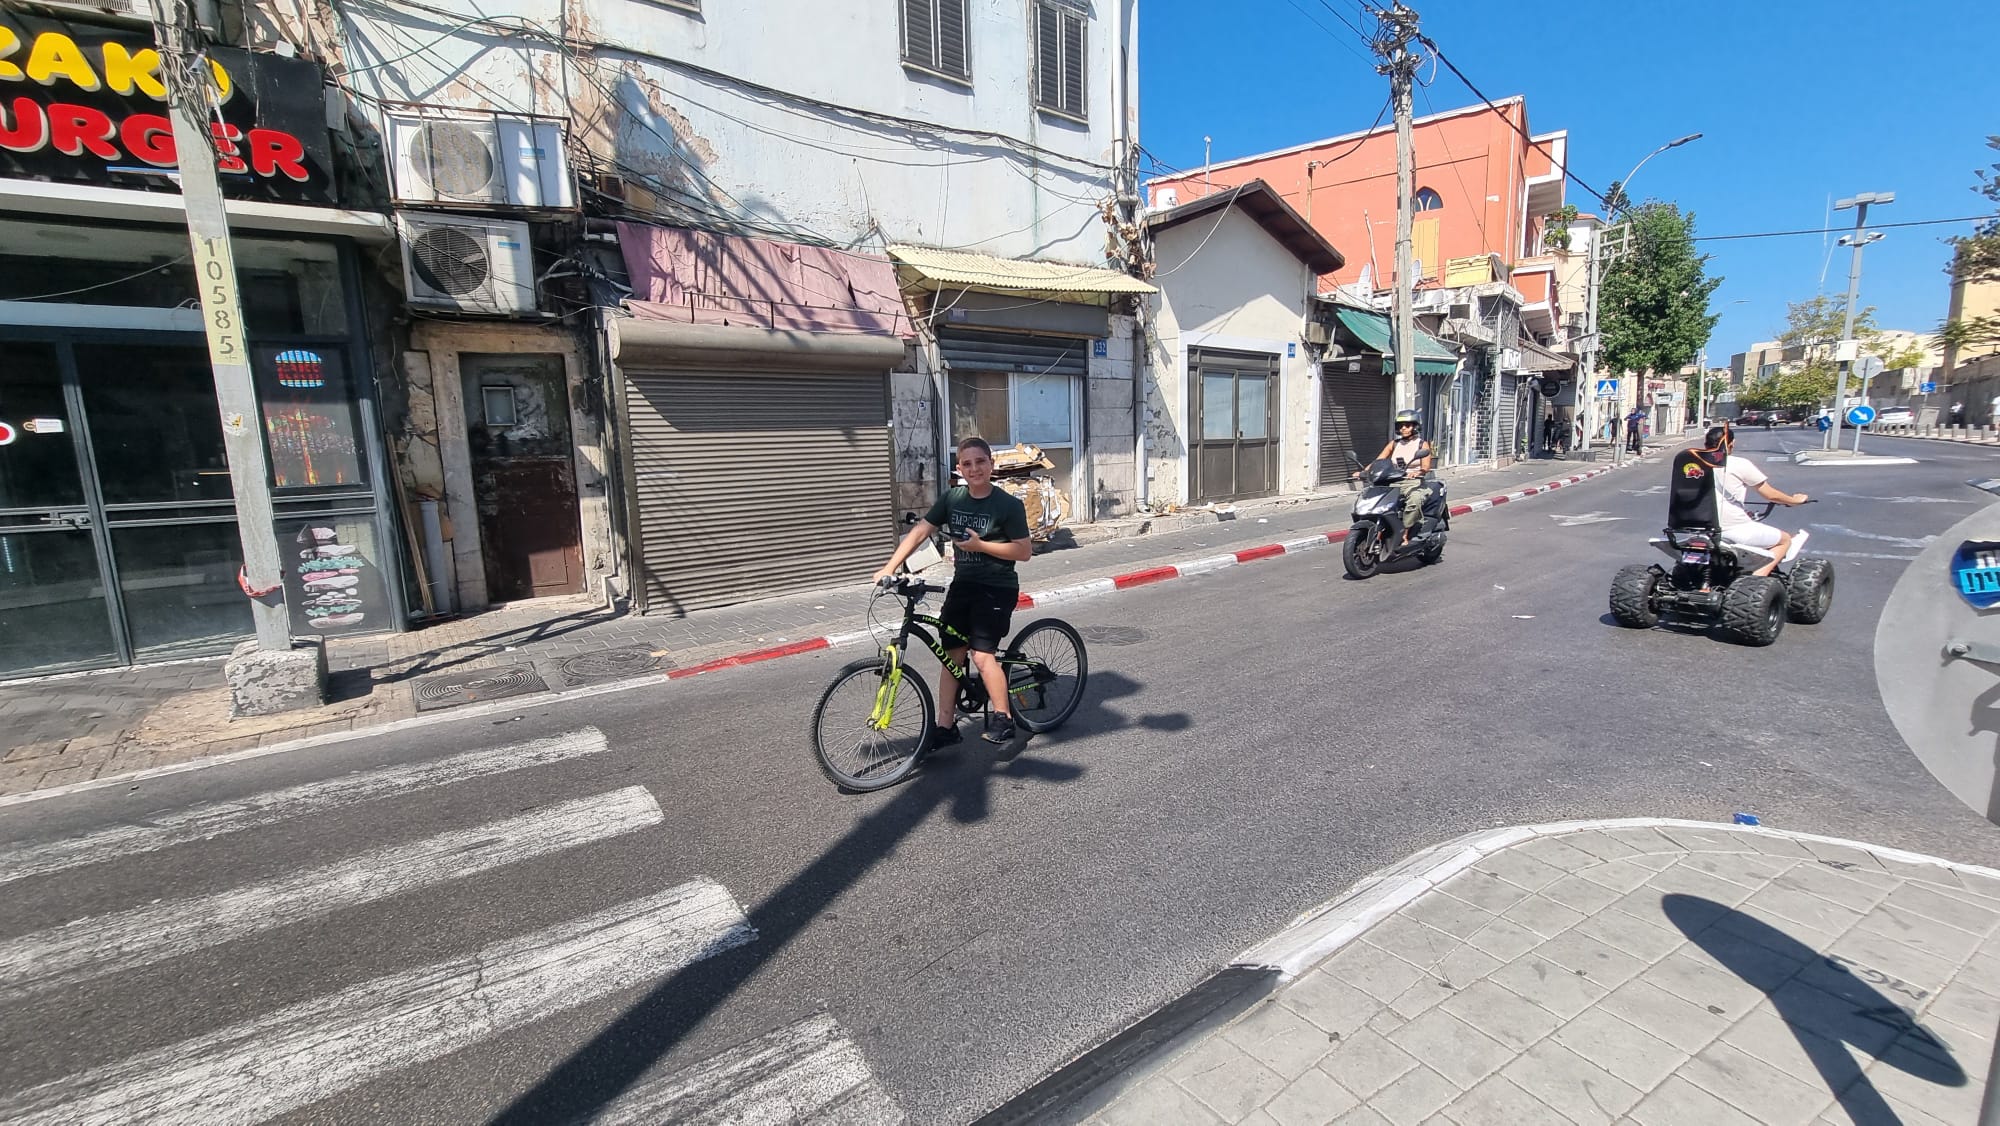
[(1461, 311), (486, 159), (468, 265), (1430, 300)]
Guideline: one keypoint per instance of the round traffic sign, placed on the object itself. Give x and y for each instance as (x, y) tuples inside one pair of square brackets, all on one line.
[(8, 433), (1860, 415)]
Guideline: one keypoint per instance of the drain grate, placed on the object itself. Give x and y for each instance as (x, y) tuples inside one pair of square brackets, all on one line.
[(1113, 635), (610, 664), (480, 684)]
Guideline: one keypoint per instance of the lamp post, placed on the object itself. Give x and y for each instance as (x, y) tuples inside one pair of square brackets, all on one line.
[(1861, 237), (1598, 263)]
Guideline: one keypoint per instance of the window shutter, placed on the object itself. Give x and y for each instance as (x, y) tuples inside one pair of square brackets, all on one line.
[(919, 33), (1048, 56), (1073, 64), (952, 55)]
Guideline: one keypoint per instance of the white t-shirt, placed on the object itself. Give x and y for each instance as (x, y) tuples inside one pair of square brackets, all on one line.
[(1739, 475)]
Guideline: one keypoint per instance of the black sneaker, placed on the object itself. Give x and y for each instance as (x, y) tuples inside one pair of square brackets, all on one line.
[(999, 729), (945, 736)]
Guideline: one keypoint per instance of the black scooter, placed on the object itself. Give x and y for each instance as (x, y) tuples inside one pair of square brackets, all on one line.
[(1376, 538)]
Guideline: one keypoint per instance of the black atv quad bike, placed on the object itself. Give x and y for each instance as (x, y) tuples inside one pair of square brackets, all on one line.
[(1711, 581)]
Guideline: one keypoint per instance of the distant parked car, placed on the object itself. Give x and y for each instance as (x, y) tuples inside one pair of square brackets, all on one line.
[(1896, 416), (1750, 418)]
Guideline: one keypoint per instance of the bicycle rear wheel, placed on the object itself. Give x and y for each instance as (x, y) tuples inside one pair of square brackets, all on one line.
[(852, 750), (1046, 668)]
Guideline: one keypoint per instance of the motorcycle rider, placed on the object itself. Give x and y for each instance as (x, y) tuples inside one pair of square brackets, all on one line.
[(1737, 476), (1416, 457)]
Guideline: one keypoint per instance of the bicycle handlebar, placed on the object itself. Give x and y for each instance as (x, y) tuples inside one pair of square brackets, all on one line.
[(908, 586)]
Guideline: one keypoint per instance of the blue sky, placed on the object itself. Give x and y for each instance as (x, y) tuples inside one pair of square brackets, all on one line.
[(1795, 101)]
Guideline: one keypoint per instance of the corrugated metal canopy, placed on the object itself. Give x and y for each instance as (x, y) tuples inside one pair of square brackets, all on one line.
[(1374, 332), (1534, 357), (920, 264)]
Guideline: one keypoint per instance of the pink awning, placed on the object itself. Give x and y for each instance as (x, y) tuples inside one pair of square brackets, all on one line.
[(700, 277)]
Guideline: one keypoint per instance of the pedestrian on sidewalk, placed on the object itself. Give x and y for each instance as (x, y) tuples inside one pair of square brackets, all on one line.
[(1958, 413), (989, 532), (1634, 423)]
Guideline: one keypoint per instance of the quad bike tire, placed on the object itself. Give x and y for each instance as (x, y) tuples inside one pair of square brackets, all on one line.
[(1809, 591), (1632, 593), (1753, 610)]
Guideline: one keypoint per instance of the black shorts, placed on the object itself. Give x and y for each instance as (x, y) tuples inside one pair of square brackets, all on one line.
[(980, 612)]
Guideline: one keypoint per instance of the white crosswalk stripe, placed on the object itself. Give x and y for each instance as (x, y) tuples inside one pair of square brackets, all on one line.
[(808, 1072), (215, 819), (92, 947), (306, 1052)]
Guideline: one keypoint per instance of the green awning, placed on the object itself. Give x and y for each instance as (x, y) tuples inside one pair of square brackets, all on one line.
[(1375, 333)]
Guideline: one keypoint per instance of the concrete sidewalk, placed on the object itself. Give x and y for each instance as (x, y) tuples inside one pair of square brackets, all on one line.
[(78, 728), (1662, 973)]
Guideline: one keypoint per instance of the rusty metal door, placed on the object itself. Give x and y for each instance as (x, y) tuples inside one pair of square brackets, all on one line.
[(523, 474)]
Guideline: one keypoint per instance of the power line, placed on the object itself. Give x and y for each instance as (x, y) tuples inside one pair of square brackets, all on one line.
[(1843, 230), (1542, 145), (1314, 20)]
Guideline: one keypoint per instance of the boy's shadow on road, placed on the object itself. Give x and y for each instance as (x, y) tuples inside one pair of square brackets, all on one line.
[(596, 1074)]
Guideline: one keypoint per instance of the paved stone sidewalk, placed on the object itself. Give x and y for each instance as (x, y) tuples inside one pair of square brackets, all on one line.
[(62, 730), (1661, 975)]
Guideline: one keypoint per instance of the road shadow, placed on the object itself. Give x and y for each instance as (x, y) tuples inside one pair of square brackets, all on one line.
[(578, 1088), (1827, 1018)]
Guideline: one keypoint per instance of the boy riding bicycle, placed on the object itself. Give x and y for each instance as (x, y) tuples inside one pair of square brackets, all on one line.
[(989, 529)]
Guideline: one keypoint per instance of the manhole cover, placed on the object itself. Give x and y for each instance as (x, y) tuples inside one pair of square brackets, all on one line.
[(611, 664), (1113, 635), (479, 684)]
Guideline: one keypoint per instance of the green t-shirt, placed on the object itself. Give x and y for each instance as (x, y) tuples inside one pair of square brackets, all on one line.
[(997, 517)]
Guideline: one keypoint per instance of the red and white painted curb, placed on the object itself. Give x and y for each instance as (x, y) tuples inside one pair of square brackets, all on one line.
[(1146, 577)]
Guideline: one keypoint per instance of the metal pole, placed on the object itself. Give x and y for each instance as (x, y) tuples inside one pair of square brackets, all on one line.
[(191, 90), (1402, 70), (1847, 331), (1589, 378)]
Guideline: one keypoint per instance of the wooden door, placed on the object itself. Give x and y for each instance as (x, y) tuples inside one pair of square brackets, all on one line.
[(524, 475)]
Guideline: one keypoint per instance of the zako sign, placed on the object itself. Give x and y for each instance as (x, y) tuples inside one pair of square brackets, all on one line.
[(86, 104)]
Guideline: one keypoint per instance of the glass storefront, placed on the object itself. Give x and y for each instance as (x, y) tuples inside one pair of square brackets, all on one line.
[(118, 534)]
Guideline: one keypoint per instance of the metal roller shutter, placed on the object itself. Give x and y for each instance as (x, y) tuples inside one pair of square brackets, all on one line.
[(1354, 413), (1510, 400), (965, 350), (728, 469)]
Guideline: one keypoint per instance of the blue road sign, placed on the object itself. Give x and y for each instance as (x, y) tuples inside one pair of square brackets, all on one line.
[(1607, 388), (1927, 388), (1861, 415)]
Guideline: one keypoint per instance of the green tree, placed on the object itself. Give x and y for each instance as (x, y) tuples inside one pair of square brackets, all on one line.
[(1653, 306), (1976, 258)]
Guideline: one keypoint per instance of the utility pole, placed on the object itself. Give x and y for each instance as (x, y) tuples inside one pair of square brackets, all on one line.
[(1400, 64), (191, 94), (1860, 238)]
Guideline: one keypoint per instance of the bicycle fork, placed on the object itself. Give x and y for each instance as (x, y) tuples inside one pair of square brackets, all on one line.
[(885, 694)]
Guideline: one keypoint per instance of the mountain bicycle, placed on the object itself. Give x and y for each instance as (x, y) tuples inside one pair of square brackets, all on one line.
[(873, 724)]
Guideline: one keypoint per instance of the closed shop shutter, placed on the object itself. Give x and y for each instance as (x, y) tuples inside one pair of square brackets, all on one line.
[(1354, 413), (1510, 399), (965, 350), (732, 470)]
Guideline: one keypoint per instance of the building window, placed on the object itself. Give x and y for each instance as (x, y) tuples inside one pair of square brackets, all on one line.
[(1428, 200), (934, 38), (1060, 74), (1766, 371), (1009, 409)]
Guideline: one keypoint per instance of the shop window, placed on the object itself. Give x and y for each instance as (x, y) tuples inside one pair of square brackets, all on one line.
[(1010, 409), (333, 584), (311, 420)]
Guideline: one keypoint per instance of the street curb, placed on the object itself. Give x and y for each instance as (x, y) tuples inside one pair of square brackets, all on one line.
[(1323, 931), (1992, 486), (1037, 600)]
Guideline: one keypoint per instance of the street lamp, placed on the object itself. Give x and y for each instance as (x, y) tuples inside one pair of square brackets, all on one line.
[(1597, 261), (1625, 185), (1861, 237)]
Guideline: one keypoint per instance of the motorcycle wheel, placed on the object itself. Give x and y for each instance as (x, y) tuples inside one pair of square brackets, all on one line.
[(1357, 552), (1435, 551)]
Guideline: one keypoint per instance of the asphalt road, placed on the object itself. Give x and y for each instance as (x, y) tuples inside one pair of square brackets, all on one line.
[(1253, 742)]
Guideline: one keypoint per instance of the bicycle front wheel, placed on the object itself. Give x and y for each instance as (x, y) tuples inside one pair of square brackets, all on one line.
[(869, 733), (1046, 669)]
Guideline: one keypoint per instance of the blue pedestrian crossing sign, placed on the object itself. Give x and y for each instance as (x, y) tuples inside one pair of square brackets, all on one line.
[(1860, 415), (1927, 388), (1607, 388)]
